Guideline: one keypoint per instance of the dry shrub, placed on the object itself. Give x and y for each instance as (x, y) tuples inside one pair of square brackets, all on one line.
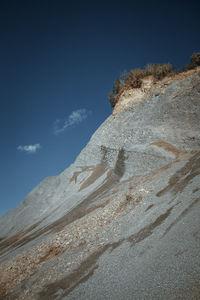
[(118, 85), (133, 79), (113, 99), (195, 59), (135, 83), (135, 75), (159, 71)]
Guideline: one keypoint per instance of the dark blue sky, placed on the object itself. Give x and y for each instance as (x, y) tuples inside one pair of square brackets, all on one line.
[(58, 61)]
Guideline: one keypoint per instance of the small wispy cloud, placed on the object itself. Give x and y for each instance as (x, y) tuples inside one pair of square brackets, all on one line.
[(29, 148), (75, 118)]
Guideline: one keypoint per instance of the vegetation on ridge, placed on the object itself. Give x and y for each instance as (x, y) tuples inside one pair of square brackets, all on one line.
[(133, 79)]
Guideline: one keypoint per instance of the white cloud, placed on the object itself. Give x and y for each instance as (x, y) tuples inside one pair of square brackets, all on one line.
[(29, 148), (76, 117)]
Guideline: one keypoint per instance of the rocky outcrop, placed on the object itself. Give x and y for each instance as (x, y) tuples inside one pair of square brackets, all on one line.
[(122, 222)]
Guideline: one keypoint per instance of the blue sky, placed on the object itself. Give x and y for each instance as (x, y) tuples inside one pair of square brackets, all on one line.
[(58, 63)]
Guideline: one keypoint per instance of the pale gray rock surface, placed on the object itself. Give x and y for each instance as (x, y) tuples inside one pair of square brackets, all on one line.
[(122, 222)]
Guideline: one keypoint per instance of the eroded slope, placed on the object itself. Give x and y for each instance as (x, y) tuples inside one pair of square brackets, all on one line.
[(124, 214)]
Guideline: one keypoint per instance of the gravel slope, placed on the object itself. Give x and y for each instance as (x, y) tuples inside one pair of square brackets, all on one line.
[(122, 222)]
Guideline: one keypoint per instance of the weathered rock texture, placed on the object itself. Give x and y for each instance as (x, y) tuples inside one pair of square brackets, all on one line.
[(122, 222)]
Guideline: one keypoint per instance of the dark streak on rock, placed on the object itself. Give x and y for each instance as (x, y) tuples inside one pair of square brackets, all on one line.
[(71, 281), (87, 267), (183, 177), (119, 168), (13, 240), (148, 230), (149, 207), (181, 216)]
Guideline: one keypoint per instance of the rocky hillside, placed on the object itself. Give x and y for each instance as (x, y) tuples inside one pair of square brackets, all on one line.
[(122, 222)]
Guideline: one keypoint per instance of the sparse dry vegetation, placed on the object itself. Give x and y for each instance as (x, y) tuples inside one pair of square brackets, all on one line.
[(159, 71), (194, 61), (118, 85), (133, 79)]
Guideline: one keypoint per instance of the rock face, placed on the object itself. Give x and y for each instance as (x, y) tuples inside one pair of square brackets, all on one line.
[(122, 222)]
